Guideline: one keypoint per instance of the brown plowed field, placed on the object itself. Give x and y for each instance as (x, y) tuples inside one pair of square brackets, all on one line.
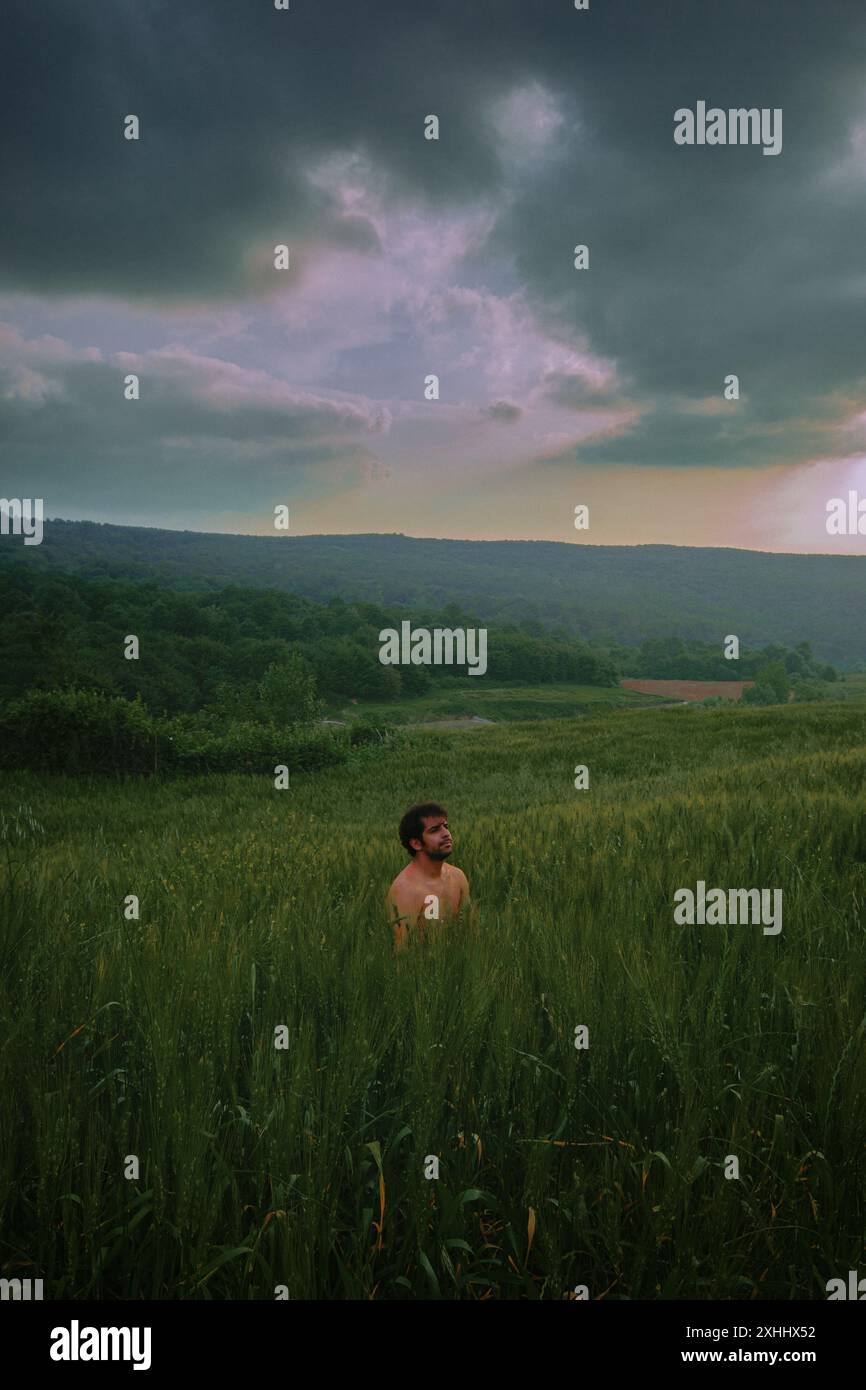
[(688, 690)]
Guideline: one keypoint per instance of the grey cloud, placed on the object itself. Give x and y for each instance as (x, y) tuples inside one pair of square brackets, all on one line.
[(202, 429), (236, 104), (504, 411), (664, 438)]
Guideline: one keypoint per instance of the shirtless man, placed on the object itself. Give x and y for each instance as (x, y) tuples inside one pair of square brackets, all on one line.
[(428, 889)]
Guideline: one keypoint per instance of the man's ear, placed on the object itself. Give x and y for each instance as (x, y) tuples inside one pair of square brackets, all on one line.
[(419, 843)]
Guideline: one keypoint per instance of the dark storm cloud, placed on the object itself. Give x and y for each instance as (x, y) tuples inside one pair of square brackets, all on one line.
[(666, 438), (710, 431), (717, 260), (704, 261), (504, 411), (236, 102)]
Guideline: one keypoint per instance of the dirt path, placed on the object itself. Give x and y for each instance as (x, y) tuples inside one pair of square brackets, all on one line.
[(473, 721), (668, 704)]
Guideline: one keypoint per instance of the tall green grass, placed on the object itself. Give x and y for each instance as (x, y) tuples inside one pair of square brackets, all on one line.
[(305, 1167)]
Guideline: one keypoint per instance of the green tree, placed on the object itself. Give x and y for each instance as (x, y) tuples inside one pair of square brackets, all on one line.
[(288, 692), (774, 675), (759, 695)]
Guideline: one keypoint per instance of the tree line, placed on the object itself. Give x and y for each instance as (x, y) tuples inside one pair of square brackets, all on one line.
[(234, 648), (236, 679)]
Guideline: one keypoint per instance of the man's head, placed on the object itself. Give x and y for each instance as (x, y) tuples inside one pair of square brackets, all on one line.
[(425, 827)]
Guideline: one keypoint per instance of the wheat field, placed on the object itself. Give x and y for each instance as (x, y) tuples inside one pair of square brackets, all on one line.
[(299, 1171)]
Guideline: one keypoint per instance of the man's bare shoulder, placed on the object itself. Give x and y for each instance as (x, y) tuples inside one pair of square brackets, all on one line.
[(403, 895), (457, 876), (404, 879)]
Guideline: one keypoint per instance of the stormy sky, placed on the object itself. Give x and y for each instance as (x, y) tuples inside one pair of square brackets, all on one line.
[(454, 257)]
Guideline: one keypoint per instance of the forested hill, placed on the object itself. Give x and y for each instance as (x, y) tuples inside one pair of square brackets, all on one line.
[(603, 593)]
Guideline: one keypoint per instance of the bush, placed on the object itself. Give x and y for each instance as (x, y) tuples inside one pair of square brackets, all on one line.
[(810, 690), (84, 731), (78, 731), (759, 695), (249, 747)]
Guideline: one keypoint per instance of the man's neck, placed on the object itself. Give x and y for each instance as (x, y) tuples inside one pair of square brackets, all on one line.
[(430, 868)]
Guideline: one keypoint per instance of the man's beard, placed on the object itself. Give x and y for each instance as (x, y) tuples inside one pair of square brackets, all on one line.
[(438, 853)]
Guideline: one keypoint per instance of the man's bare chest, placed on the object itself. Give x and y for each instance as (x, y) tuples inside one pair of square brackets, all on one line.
[(437, 898)]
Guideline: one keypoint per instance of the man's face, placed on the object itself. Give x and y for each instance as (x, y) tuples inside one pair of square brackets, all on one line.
[(436, 839)]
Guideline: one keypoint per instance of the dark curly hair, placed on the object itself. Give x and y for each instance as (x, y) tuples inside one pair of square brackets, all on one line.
[(412, 824)]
